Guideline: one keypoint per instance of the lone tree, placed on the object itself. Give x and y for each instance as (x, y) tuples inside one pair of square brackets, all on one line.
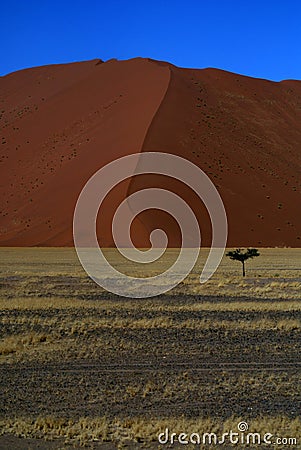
[(239, 255)]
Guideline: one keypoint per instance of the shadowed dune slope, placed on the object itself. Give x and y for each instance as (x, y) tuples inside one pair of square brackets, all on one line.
[(61, 123), (245, 133)]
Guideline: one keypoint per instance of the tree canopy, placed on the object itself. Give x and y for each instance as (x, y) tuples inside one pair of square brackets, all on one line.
[(242, 256)]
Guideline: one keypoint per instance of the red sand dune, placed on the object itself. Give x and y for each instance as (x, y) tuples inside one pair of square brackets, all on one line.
[(61, 123)]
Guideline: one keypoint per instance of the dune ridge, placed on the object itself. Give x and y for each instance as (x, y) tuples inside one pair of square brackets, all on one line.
[(88, 115), (245, 134), (61, 123)]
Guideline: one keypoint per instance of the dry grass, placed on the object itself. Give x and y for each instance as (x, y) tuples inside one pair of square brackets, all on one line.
[(52, 314), (35, 330), (41, 303), (88, 429), (20, 343), (275, 274), (79, 431)]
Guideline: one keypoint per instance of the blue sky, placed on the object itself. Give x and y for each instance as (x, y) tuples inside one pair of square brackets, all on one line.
[(255, 38)]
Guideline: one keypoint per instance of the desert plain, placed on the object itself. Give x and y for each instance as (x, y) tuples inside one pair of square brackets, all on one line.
[(82, 367)]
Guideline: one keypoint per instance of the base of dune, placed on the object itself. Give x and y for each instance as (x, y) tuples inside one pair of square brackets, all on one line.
[(80, 366)]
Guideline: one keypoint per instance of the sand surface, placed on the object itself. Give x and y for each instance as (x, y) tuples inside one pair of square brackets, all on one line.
[(61, 123)]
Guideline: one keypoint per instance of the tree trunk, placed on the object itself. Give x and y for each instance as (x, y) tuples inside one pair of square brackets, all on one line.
[(243, 269)]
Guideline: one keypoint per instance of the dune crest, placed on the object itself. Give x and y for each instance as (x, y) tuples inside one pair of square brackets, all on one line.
[(60, 124)]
